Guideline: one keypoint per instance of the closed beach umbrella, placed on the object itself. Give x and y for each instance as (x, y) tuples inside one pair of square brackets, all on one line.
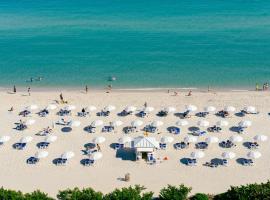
[(229, 109), (32, 107), (261, 138), (109, 108), (70, 107), (91, 108), (228, 155), (222, 123), (137, 123), (245, 123), (99, 140), (212, 139), (210, 109), (4, 138), (41, 154), (254, 154), (191, 108), (97, 123), (236, 138), (30, 122), (68, 155), (197, 154), (26, 139), (182, 123), (75, 123), (117, 123), (51, 138), (250, 109), (170, 109), (124, 140), (203, 123), (148, 109), (157, 123), (51, 107), (190, 139), (130, 109), (96, 156), (166, 139)]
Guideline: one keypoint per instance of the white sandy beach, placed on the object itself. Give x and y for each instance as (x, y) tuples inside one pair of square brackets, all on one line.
[(105, 174)]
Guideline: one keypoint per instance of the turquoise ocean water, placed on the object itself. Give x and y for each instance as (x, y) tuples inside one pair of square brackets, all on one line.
[(153, 43)]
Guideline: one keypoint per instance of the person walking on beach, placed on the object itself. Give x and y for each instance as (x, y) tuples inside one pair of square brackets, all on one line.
[(86, 89), (98, 147), (14, 89), (61, 98), (28, 90), (145, 104)]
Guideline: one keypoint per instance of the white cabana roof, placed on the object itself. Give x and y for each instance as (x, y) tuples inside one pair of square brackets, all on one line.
[(145, 142)]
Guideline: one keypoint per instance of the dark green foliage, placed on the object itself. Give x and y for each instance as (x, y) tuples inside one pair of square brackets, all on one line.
[(37, 195), (10, 195), (77, 194), (129, 193), (199, 196), (174, 193)]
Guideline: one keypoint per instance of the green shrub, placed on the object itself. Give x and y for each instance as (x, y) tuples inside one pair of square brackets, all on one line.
[(77, 194), (10, 194), (37, 195), (174, 193), (129, 193), (199, 196)]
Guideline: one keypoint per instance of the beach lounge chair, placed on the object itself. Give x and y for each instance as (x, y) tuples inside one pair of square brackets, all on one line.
[(162, 146), (199, 133), (174, 130), (202, 114), (32, 160), (61, 161), (214, 129), (43, 145), (201, 145), (142, 114), (224, 162), (25, 113), (162, 113), (43, 113), (107, 129), (88, 162), (19, 146), (118, 146), (191, 162)]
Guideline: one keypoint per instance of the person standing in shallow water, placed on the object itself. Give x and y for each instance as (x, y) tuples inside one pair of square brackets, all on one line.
[(14, 89), (86, 89), (28, 90)]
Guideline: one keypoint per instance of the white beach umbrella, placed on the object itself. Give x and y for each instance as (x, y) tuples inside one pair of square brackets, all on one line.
[(254, 154), (97, 123), (91, 108), (245, 123), (191, 108), (170, 109), (68, 155), (182, 123), (203, 123), (130, 109), (70, 107), (212, 139), (222, 123), (30, 122), (74, 123), (229, 109), (228, 155), (250, 109), (197, 154), (210, 109), (157, 123), (137, 123), (109, 108), (26, 139), (117, 123), (148, 109), (190, 139), (96, 156), (32, 107), (99, 140), (166, 139), (51, 138), (41, 154), (51, 107), (236, 138), (4, 138), (261, 138), (124, 140)]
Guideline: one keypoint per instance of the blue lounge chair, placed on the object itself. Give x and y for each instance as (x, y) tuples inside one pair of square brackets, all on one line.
[(163, 146), (20, 146), (32, 160)]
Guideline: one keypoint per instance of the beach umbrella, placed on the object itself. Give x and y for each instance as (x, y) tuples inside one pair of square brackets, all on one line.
[(210, 109), (236, 138), (191, 108), (254, 154), (99, 140), (261, 138), (30, 122), (228, 155), (116, 123), (157, 123), (229, 109), (212, 139), (137, 123), (51, 107), (222, 123), (170, 109), (51, 138), (182, 123), (109, 108), (96, 156), (197, 154), (91, 108), (130, 109), (4, 138), (41, 154), (97, 123), (32, 107), (68, 155), (166, 139), (250, 109), (148, 109), (70, 107), (74, 123), (124, 139), (26, 139), (190, 139), (245, 123), (203, 123)]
